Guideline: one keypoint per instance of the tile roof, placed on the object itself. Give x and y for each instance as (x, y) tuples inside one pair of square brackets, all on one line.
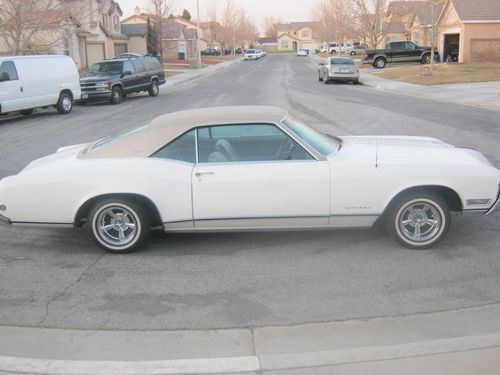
[(398, 8), (477, 10), (424, 12), (295, 25), (267, 40)]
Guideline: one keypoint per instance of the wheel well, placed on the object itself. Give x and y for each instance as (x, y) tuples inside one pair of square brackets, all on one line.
[(84, 210), (380, 57), (66, 91), (450, 196)]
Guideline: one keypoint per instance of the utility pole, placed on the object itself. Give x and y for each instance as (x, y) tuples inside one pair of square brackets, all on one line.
[(198, 31)]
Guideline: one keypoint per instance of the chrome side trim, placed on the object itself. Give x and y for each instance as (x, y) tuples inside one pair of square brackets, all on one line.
[(40, 224)]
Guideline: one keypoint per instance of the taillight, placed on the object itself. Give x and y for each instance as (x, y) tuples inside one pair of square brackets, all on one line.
[(366, 55)]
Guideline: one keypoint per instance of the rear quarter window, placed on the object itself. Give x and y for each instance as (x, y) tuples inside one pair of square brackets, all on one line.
[(138, 66)]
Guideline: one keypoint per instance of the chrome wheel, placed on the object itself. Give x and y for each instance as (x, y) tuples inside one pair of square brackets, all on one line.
[(116, 226), (380, 63), (420, 221)]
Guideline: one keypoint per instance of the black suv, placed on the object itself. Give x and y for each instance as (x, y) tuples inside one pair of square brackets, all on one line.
[(113, 79)]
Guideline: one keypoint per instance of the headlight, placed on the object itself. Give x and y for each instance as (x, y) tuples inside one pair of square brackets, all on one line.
[(102, 85)]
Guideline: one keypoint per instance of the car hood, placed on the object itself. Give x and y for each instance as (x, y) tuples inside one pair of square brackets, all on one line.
[(408, 150), (96, 78)]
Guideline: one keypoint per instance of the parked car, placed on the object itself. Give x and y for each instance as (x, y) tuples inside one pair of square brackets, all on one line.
[(113, 80), (358, 50), (251, 54), (210, 52), (339, 69), (397, 52), (324, 50), (336, 48), (260, 53), (303, 52), (249, 168), (29, 82)]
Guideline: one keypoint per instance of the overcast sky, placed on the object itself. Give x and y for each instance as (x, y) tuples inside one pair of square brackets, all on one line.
[(288, 10)]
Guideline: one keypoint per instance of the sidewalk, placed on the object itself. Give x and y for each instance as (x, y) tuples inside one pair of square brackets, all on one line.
[(455, 342), (187, 76), (479, 94)]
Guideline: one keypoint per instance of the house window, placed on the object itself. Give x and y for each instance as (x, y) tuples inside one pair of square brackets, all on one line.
[(284, 44), (117, 23), (305, 34), (105, 20)]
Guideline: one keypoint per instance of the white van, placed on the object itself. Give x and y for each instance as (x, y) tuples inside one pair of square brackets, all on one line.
[(29, 82)]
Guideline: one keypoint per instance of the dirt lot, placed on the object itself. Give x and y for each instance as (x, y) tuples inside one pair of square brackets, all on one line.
[(443, 73)]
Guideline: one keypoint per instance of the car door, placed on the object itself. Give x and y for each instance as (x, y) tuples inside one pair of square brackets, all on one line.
[(257, 176), (398, 53), (11, 88), (142, 77), (412, 52), (129, 78)]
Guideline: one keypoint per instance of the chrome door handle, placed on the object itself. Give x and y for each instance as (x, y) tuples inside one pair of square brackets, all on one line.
[(199, 174)]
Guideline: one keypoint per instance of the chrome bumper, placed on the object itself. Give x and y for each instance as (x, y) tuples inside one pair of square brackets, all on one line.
[(496, 205), (4, 220)]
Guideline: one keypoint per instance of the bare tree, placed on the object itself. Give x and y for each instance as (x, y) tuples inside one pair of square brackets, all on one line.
[(270, 26), (246, 29), (159, 11), (214, 23), (369, 18), (334, 18), (37, 26)]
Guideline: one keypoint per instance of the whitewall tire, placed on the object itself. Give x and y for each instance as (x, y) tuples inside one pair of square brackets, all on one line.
[(119, 225), (419, 220)]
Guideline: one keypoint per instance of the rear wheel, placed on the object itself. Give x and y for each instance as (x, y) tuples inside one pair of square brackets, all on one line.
[(326, 81), (419, 220), (154, 89), (355, 81), (116, 95), (119, 225), (379, 63), (65, 103), (319, 77)]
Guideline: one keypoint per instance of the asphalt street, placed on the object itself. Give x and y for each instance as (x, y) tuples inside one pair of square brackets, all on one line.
[(59, 278)]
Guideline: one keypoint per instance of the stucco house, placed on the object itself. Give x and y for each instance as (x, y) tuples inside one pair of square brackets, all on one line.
[(420, 26), (267, 44), (297, 35), (472, 27)]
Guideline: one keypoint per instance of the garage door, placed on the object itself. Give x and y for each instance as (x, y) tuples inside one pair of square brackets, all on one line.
[(95, 52), (485, 49), (120, 48)]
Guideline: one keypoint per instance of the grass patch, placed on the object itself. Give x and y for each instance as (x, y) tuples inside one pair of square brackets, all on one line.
[(443, 73)]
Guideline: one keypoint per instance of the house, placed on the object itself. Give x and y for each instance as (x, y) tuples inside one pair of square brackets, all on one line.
[(178, 34), (297, 35), (469, 29), (267, 44), (396, 21), (208, 35)]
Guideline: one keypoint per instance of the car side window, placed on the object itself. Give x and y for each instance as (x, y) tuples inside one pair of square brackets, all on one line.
[(182, 148), (138, 66), (396, 46), (247, 143), (410, 45), (8, 71), (128, 67)]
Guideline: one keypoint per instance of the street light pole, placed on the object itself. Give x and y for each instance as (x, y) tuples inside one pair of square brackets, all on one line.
[(198, 31)]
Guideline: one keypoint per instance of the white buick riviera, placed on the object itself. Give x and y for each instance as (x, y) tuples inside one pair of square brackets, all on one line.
[(249, 168)]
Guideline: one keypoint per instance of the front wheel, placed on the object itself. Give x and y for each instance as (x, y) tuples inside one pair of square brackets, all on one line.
[(419, 220), (119, 225), (65, 103), (426, 59), (116, 95), (154, 89)]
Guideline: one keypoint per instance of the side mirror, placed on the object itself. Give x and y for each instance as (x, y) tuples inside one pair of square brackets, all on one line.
[(4, 77)]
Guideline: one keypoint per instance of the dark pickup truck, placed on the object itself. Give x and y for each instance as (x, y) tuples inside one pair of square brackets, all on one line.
[(113, 79), (399, 52)]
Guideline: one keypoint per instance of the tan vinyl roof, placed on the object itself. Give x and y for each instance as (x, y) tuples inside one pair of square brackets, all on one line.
[(166, 128)]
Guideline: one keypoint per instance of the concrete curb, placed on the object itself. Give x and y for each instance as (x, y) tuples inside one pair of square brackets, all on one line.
[(204, 72), (70, 352)]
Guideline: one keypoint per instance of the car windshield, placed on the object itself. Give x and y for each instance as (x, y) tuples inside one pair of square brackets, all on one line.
[(115, 138), (320, 142), (341, 61), (108, 67), (251, 51)]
